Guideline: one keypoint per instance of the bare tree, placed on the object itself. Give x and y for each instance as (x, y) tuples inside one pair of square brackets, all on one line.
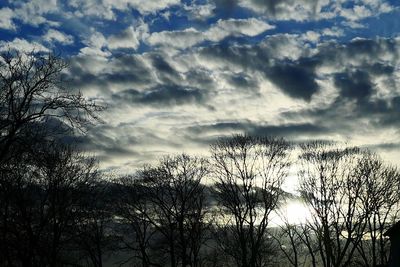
[(41, 207), (95, 237), (332, 187), (136, 230), (249, 172), (381, 184), (31, 91), (296, 242), (39, 177), (171, 200)]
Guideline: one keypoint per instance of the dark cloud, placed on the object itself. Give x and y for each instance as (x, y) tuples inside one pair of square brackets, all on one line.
[(297, 79), (200, 77), (278, 9), (358, 100), (163, 69), (162, 95), (354, 85), (364, 52), (382, 113), (274, 7), (379, 68), (258, 129), (249, 57), (391, 146), (101, 139), (124, 70), (244, 82), (372, 47), (346, 117)]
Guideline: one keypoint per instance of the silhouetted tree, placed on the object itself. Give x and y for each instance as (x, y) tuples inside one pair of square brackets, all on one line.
[(380, 198), (31, 91), (136, 229), (249, 173), (332, 187), (168, 199), (41, 181), (95, 237), (41, 200), (296, 242)]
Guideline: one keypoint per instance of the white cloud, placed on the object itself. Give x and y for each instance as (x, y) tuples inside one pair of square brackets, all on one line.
[(298, 10), (32, 12), (200, 12), (364, 9), (311, 36), (303, 10), (356, 13), (59, 37), (334, 32), (105, 8), (94, 45), (177, 39), (220, 30), (353, 24), (22, 45), (143, 6), (237, 27), (96, 39), (129, 38), (91, 8), (6, 16)]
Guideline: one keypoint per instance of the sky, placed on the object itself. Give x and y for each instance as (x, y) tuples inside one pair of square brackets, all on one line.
[(177, 75)]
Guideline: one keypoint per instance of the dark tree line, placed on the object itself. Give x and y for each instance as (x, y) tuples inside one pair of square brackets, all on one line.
[(58, 209), (44, 183)]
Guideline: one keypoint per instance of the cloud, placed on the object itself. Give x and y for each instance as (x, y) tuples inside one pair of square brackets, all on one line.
[(354, 84), (243, 81), (104, 76), (34, 12), (199, 12), (128, 38), (296, 79), (162, 95), (178, 39), (236, 27), (176, 75), (220, 30), (29, 12), (95, 45), (365, 102), (365, 10), (125, 39), (333, 91), (208, 133), (306, 10), (143, 6), (334, 32), (299, 10), (22, 45), (53, 35), (6, 19), (106, 8)]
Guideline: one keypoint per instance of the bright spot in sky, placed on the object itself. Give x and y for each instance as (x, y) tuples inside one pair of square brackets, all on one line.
[(294, 212), (297, 212)]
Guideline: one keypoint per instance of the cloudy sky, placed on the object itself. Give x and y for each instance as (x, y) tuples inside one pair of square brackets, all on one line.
[(176, 75)]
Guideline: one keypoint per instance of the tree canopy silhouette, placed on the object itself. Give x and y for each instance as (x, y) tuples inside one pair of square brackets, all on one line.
[(32, 91)]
